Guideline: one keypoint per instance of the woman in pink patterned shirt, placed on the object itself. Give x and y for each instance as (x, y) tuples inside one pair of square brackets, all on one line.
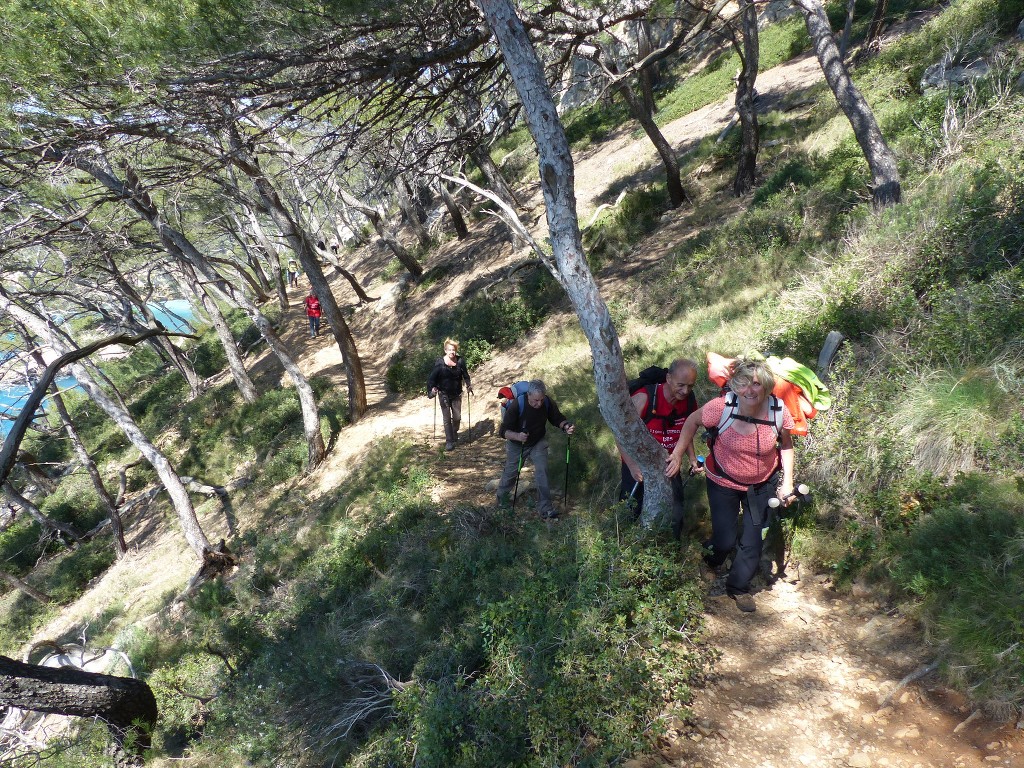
[(751, 461)]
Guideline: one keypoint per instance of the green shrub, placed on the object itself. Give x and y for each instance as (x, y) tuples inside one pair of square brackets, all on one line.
[(959, 560)]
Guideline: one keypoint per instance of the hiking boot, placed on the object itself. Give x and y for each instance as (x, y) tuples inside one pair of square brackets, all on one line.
[(745, 602), (449, 446), (551, 514)]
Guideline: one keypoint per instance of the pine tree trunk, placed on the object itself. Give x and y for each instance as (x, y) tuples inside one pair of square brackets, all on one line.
[(227, 342), (47, 523), (458, 222), (557, 183), (885, 175), (746, 168), (676, 194), (405, 203), (25, 588), (121, 702), (180, 247), (303, 247), (116, 524)]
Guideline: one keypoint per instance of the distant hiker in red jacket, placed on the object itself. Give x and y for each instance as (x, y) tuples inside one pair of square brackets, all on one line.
[(313, 313)]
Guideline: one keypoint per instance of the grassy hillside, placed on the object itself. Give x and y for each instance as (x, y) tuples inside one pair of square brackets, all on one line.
[(379, 622)]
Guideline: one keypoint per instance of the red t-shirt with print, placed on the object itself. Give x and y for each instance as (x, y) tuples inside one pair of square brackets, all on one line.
[(752, 458)]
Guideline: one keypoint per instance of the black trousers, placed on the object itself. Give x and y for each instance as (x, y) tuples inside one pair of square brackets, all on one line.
[(451, 414), (745, 535)]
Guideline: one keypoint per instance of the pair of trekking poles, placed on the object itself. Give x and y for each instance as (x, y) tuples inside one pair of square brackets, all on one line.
[(565, 488), (469, 413)]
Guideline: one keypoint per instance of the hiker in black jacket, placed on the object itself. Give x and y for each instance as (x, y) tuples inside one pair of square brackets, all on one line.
[(526, 436), (445, 383)]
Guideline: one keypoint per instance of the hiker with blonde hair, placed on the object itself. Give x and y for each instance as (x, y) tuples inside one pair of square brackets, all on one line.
[(750, 462), (445, 383)]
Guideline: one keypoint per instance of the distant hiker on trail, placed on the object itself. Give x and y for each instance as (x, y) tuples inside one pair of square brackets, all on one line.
[(445, 383), (313, 312), (526, 433), (663, 407), (750, 461), (293, 274)]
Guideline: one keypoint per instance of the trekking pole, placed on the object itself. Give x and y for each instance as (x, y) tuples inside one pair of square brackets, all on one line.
[(565, 489), (469, 412), (515, 493), (435, 418), (800, 493)]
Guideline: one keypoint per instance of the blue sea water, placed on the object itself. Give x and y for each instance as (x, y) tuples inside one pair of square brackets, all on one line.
[(175, 315)]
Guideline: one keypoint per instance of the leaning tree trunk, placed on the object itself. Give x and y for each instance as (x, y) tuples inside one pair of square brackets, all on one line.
[(844, 40), (885, 175), (676, 194), (746, 168), (47, 523), (360, 292), (458, 222), (648, 75), (180, 247), (875, 27), (643, 115), (272, 255), (24, 587), (377, 221), (160, 343), (556, 176), (125, 704), (482, 157)]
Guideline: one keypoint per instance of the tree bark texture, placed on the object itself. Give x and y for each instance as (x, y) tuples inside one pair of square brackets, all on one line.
[(885, 176), (121, 702), (557, 182), (746, 168)]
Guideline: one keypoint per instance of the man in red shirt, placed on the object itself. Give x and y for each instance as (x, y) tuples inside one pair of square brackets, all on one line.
[(313, 313), (672, 402)]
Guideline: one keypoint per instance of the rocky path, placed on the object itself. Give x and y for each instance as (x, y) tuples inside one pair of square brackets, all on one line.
[(811, 679)]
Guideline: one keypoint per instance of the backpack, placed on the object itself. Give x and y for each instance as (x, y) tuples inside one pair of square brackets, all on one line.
[(796, 385), (517, 391), (730, 414), (648, 380)]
